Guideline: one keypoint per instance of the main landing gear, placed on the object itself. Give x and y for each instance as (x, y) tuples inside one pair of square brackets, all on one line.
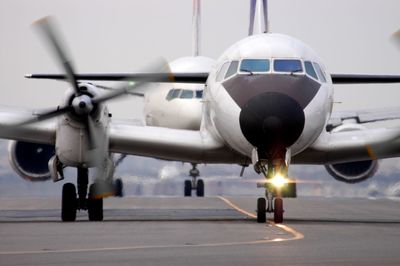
[(194, 184), (74, 200)]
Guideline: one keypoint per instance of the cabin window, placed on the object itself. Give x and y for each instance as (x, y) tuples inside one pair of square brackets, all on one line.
[(255, 65), (232, 70), (222, 71), (288, 65), (310, 70), (320, 73)]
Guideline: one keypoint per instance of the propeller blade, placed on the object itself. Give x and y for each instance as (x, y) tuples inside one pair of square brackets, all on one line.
[(44, 116), (116, 93), (113, 89), (160, 65), (48, 28)]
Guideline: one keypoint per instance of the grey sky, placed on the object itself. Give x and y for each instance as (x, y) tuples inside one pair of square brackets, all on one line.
[(121, 35)]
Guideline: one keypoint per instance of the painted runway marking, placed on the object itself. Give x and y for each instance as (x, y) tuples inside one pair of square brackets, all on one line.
[(296, 235)]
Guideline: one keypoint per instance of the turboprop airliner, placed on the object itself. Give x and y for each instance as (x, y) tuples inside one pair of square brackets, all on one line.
[(267, 101)]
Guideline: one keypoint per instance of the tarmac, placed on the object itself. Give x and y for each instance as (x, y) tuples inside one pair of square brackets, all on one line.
[(201, 231)]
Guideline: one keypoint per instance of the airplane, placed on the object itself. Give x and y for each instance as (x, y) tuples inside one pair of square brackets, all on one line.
[(267, 102), (179, 105)]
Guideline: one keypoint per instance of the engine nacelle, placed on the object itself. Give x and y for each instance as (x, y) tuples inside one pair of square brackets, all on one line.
[(352, 172), (30, 160)]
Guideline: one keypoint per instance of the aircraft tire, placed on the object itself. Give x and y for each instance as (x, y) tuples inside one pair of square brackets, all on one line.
[(95, 206), (119, 187), (68, 203), (188, 188), (261, 210), (278, 210), (200, 188)]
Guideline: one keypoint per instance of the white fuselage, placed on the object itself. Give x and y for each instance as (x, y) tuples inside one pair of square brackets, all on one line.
[(222, 111), (178, 105)]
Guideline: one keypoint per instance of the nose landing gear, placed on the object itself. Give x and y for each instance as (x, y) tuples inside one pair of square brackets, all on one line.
[(276, 187), (194, 184)]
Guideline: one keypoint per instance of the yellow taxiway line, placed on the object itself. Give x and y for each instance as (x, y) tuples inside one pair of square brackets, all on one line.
[(296, 234)]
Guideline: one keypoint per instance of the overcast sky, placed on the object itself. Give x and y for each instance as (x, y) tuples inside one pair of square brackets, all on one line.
[(122, 36)]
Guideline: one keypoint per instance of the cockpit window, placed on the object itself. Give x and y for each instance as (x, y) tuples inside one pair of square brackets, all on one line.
[(169, 95), (172, 94), (288, 65), (199, 94), (255, 65), (186, 94), (232, 69), (310, 70), (222, 71), (320, 73)]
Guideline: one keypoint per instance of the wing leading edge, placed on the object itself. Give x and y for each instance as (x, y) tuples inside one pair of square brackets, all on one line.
[(144, 77), (351, 146), (202, 77), (171, 144)]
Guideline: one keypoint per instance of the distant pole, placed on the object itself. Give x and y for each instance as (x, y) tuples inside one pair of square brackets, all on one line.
[(252, 15), (258, 20), (265, 7), (196, 35)]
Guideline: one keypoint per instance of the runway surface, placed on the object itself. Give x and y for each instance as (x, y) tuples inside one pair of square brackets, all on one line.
[(202, 231)]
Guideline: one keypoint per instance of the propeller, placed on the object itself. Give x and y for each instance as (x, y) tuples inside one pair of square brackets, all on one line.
[(82, 105)]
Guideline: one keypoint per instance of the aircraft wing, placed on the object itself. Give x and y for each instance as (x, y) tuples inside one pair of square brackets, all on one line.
[(202, 77), (40, 132), (350, 146), (143, 77), (170, 144), (363, 116)]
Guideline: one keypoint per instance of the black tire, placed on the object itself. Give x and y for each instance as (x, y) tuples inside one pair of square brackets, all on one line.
[(95, 206), (278, 211), (261, 210), (119, 187), (188, 188), (68, 203), (200, 188)]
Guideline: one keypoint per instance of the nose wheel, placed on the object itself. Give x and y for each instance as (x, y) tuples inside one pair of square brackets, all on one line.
[(194, 184), (273, 201), (275, 206)]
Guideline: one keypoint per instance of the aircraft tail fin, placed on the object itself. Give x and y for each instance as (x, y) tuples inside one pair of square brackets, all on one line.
[(196, 34), (258, 17)]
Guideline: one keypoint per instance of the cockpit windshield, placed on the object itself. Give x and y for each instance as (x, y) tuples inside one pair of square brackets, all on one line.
[(288, 65), (255, 65), (184, 94)]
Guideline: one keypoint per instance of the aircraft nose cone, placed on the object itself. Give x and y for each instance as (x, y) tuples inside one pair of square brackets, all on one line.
[(272, 124), (272, 120)]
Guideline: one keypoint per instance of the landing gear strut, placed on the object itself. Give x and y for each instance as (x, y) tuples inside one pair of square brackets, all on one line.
[(273, 202), (194, 184)]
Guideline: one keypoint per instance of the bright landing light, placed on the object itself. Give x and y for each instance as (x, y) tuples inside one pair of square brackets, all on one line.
[(278, 181)]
